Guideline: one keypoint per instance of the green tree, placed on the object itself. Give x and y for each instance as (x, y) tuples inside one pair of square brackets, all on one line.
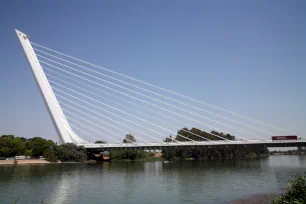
[(199, 135), (5, 152), (11, 146), (40, 145), (100, 142), (28, 152), (50, 155), (8, 136), (19, 146), (168, 139), (71, 152), (129, 138), (225, 136)]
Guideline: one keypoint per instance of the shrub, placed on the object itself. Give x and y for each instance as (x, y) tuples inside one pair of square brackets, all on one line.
[(127, 154), (296, 193), (50, 155)]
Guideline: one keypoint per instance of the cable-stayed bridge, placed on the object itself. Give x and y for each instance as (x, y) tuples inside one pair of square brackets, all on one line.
[(89, 100)]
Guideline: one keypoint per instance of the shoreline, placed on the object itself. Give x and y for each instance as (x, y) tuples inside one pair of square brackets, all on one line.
[(148, 159), (25, 161), (263, 198), (257, 198)]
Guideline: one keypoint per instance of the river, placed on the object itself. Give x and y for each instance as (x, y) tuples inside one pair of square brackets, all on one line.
[(150, 182)]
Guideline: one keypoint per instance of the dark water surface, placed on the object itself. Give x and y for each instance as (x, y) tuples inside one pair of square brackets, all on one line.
[(152, 182)]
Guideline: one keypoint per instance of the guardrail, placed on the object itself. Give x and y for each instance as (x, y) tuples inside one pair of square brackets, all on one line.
[(201, 143)]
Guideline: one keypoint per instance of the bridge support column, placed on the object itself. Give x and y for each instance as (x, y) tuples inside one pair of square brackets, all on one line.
[(59, 120)]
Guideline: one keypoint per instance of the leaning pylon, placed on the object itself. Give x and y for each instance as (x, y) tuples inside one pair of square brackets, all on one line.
[(59, 120)]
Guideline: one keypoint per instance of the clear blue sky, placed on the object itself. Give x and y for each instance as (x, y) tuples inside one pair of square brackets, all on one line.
[(246, 56)]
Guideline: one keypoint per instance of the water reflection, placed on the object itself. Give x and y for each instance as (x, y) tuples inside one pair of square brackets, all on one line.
[(153, 182), (67, 186), (16, 180), (286, 161)]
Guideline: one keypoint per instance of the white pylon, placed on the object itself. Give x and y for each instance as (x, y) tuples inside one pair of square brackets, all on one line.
[(59, 120)]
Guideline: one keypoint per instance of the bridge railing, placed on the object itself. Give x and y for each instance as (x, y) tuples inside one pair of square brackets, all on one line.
[(201, 143)]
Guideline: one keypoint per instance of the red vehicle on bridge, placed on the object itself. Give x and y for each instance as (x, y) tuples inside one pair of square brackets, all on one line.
[(286, 137)]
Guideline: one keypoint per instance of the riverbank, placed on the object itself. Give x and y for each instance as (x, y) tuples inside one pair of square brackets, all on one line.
[(39, 161), (256, 199), (265, 198), (25, 161), (156, 157)]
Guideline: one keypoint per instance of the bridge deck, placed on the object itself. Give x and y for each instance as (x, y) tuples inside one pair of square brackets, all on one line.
[(268, 143)]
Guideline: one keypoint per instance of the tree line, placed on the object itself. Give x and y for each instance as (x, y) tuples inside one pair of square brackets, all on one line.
[(196, 134), (11, 146), (184, 134), (215, 153)]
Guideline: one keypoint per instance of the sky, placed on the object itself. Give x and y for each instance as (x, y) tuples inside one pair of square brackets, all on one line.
[(245, 56)]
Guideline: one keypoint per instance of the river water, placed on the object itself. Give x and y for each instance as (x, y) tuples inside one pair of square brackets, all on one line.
[(150, 182)]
